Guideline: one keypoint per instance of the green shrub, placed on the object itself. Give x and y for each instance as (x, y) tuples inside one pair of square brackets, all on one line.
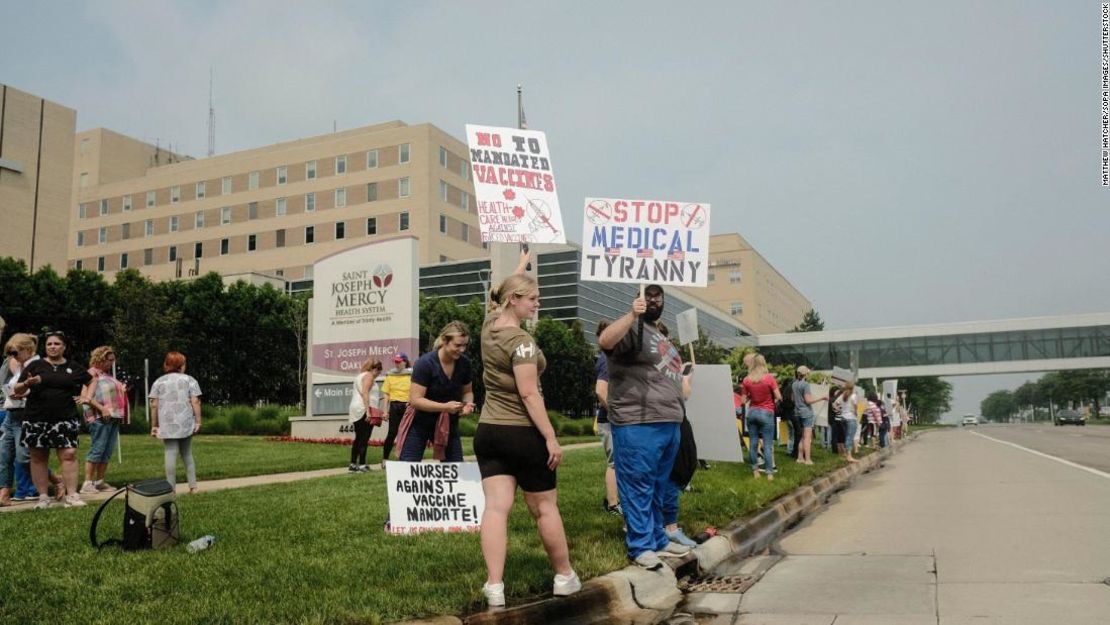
[(215, 425), (269, 412), (240, 419), (468, 426)]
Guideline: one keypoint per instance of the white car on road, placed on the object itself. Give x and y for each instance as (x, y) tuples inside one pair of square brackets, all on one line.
[(970, 420)]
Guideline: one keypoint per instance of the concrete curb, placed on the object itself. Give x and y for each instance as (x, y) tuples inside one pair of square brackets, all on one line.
[(635, 595)]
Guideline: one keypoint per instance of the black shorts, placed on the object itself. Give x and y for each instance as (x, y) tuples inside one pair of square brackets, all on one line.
[(519, 451)]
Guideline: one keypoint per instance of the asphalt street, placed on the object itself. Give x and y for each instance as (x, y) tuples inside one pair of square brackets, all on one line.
[(1087, 445), (956, 529)]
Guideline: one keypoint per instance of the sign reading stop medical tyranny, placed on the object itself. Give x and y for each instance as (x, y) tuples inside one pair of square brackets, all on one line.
[(514, 186), (364, 305), (645, 242)]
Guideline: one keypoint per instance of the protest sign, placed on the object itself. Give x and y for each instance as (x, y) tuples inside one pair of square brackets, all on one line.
[(687, 326), (821, 408), (645, 242), (713, 415), (514, 186), (434, 497)]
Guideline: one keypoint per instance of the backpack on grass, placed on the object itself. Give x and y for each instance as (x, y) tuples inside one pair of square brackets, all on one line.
[(150, 518)]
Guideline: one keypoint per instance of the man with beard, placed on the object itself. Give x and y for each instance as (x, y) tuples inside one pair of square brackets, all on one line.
[(645, 413)]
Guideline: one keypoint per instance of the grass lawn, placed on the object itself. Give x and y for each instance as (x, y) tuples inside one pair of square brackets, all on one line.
[(314, 551), (219, 457)]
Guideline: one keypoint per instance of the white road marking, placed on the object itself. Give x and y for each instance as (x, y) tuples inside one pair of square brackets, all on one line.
[(1044, 455)]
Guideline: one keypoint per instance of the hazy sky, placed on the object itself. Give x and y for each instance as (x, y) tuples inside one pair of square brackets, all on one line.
[(899, 162)]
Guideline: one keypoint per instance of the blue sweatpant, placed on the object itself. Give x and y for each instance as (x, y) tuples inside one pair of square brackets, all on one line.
[(643, 456)]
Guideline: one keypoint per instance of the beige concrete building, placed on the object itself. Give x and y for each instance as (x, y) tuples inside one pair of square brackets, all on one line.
[(747, 287), (36, 176), (273, 210)]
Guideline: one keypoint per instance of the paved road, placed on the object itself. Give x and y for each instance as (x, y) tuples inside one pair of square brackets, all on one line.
[(1087, 445), (955, 530)]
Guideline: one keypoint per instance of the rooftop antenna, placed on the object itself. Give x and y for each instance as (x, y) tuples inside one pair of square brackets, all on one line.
[(211, 118)]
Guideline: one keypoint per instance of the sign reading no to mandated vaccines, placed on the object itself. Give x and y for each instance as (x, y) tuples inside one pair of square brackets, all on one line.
[(645, 242), (434, 497), (514, 185)]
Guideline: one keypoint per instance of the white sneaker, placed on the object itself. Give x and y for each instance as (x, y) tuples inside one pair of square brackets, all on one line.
[(43, 503), (88, 488), (495, 594), (566, 584), (74, 501), (674, 549), (648, 560)]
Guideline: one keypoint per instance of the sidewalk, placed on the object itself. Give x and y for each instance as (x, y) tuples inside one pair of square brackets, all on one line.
[(211, 486)]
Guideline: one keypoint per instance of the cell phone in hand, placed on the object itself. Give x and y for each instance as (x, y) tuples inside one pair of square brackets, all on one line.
[(687, 368)]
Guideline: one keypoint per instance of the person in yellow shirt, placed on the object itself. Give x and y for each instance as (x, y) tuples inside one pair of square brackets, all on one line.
[(395, 390)]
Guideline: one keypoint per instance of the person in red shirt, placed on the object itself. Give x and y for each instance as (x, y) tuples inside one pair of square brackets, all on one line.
[(761, 392)]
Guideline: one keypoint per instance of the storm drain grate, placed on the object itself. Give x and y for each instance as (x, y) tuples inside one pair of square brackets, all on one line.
[(718, 583)]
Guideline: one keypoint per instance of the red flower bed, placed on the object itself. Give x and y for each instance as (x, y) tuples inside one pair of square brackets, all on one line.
[(319, 441)]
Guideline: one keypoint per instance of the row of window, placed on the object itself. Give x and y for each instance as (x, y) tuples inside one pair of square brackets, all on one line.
[(281, 177), (281, 208), (733, 276), (339, 231)]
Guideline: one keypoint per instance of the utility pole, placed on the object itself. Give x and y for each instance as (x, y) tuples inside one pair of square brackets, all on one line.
[(211, 118)]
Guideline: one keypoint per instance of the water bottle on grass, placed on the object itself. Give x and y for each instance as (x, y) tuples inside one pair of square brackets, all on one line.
[(200, 544)]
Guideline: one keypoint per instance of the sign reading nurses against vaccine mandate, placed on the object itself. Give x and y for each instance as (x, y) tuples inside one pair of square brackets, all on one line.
[(364, 305), (514, 186), (434, 497), (645, 242)]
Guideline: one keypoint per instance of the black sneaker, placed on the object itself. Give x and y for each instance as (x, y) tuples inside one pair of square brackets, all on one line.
[(352, 468), (615, 509)]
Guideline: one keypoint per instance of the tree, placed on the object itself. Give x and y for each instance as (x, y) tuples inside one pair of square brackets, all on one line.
[(143, 325), (296, 318), (811, 322), (706, 351), (929, 397), (999, 406), (568, 380)]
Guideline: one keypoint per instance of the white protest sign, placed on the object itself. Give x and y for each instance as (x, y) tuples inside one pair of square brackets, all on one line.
[(645, 242), (434, 497), (515, 186), (890, 391), (712, 414), (821, 408), (687, 326), (840, 374)]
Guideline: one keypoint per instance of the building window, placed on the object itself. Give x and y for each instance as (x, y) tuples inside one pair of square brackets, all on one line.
[(712, 277), (372, 192), (126, 231), (310, 170), (340, 165), (443, 258), (252, 210), (148, 256), (173, 253), (403, 221), (175, 195), (464, 201), (443, 224), (252, 181), (103, 207), (225, 186), (309, 202), (225, 215), (252, 242), (100, 263), (150, 199), (148, 228), (372, 159), (173, 223), (464, 169), (79, 264), (280, 207), (127, 203), (198, 220), (371, 226), (81, 212), (309, 235), (84, 179), (466, 232), (340, 197), (198, 250), (340, 230), (443, 190), (403, 153), (736, 308), (80, 239), (442, 156), (280, 238), (102, 235), (201, 188), (734, 276), (225, 246), (123, 260), (403, 187), (282, 174)]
